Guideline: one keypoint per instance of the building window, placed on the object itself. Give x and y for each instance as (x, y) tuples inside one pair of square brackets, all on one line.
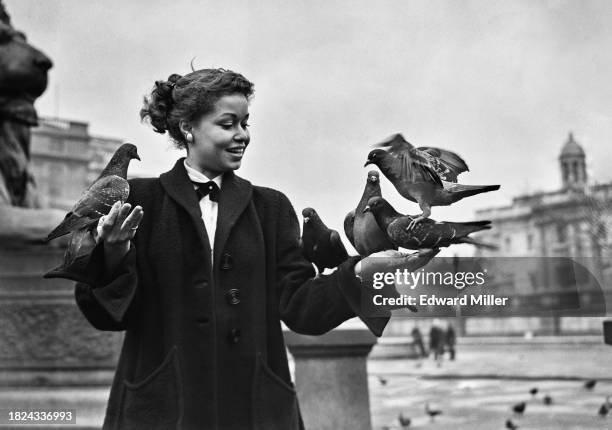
[(561, 233), (530, 241)]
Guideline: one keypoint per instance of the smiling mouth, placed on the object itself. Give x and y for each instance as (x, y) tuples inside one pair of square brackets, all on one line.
[(236, 151)]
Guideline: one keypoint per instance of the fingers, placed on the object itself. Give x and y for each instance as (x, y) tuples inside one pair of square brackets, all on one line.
[(119, 225), (131, 222)]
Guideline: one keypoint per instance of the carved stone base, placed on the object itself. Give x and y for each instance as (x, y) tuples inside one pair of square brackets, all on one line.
[(331, 378), (44, 339)]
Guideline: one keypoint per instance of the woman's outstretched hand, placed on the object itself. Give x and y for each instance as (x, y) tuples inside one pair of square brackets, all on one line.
[(390, 260), (116, 230)]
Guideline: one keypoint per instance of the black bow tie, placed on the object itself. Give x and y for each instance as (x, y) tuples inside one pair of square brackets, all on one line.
[(210, 189)]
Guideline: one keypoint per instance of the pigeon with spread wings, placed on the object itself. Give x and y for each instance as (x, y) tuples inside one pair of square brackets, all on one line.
[(423, 175)]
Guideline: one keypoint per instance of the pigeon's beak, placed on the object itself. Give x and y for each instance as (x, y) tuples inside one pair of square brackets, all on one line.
[(368, 162), (366, 209), (136, 156)]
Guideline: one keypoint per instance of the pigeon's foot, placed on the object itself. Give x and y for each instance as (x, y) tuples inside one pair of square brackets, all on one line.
[(414, 222)]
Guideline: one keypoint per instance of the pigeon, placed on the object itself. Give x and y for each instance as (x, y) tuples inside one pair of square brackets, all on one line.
[(519, 408), (590, 384), (404, 421), (533, 391), (427, 176), (432, 412), (96, 201), (547, 400), (361, 228), (321, 245), (427, 234), (383, 381), (510, 425)]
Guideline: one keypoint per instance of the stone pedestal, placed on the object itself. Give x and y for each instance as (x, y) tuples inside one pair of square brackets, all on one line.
[(47, 348), (331, 378)]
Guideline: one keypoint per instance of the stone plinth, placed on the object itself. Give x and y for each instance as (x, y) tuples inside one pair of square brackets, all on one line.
[(331, 378), (47, 348)]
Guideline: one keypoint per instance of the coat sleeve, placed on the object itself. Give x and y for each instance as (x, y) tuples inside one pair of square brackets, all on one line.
[(314, 305), (108, 302)]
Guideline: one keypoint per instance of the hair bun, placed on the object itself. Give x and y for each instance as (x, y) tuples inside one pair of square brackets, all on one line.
[(157, 106)]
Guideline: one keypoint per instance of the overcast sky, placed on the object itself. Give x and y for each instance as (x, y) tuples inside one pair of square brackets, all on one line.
[(499, 82)]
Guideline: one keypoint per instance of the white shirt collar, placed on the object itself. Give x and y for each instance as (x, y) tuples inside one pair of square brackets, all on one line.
[(197, 176)]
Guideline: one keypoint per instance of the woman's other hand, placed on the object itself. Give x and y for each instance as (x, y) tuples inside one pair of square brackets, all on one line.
[(390, 260)]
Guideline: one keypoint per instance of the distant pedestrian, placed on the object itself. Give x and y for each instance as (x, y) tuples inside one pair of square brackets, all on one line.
[(450, 339), (417, 339), (436, 341)]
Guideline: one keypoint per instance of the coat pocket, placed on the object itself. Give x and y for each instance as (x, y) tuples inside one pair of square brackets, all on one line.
[(275, 405), (154, 402)]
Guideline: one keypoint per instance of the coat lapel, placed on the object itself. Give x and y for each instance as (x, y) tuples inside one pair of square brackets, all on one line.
[(234, 198), (180, 189)]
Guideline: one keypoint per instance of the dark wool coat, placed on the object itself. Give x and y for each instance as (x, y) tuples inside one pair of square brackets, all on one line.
[(203, 347)]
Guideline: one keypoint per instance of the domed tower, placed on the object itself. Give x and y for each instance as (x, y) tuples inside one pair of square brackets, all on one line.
[(573, 164)]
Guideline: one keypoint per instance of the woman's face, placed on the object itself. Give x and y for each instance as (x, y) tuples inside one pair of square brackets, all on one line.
[(220, 136)]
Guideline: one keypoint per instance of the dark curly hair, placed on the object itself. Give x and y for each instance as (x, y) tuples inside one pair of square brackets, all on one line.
[(186, 98)]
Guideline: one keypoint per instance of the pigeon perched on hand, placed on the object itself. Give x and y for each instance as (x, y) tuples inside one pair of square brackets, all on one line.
[(361, 227), (111, 186), (428, 233), (321, 245), (424, 175)]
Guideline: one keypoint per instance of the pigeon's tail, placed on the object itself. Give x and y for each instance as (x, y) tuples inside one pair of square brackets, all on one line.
[(71, 223), (461, 191), (478, 244)]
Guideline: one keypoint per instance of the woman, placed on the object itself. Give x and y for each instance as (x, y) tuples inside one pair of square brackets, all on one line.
[(201, 283)]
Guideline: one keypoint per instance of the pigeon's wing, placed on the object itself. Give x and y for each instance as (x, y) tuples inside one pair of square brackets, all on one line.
[(338, 249), (407, 163), (101, 196), (95, 202), (447, 164), (349, 222)]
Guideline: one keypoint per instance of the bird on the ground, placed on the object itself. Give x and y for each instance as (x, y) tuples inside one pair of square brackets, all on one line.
[(383, 381), (404, 421), (533, 391), (111, 186), (519, 408), (511, 425), (590, 384), (428, 233), (320, 244), (427, 176), (605, 407), (432, 412), (361, 228), (547, 400)]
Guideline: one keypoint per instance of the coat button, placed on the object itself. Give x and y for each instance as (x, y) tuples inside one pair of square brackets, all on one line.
[(227, 262), (233, 296), (234, 335)]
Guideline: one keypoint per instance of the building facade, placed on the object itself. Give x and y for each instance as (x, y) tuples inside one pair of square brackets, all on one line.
[(65, 159)]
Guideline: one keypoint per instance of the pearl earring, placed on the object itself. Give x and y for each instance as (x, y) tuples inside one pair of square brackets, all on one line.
[(189, 137)]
